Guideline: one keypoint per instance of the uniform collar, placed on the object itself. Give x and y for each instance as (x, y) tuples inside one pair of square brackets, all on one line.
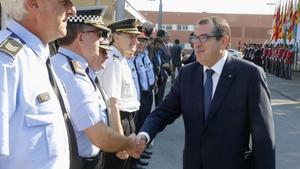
[(92, 74), (116, 52), (141, 54), (31, 40), (73, 56)]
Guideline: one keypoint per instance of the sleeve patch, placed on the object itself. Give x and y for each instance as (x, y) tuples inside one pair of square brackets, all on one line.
[(11, 47)]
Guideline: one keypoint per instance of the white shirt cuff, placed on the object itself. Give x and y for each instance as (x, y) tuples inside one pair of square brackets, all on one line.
[(146, 135)]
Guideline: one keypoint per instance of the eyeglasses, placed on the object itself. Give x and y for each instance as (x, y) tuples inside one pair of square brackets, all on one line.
[(99, 33), (203, 38), (141, 40)]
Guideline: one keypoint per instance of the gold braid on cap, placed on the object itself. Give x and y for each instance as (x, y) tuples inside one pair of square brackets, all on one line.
[(126, 29)]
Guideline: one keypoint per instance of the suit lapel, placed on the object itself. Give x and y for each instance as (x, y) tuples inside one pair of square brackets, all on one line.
[(225, 81), (198, 92)]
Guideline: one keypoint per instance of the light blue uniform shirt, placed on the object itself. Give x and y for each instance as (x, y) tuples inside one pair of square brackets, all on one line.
[(86, 103), (32, 133), (149, 68), (130, 62), (141, 71)]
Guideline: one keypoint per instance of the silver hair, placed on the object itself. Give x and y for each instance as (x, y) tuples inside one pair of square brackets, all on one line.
[(14, 8)]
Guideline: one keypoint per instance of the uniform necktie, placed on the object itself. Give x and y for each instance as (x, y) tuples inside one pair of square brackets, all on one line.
[(208, 88), (99, 86), (74, 156), (104, 98)]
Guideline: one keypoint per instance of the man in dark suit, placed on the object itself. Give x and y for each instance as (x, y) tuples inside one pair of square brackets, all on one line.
[(223, 100), (176, 58), (159, 71), (192, 57)]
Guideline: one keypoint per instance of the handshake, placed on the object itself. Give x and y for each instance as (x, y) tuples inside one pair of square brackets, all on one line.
[(135, 146)]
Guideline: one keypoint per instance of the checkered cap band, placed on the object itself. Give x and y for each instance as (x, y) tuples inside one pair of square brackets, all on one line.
[(87, 19)]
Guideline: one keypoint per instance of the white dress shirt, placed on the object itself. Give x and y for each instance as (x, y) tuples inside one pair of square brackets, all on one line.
[(218, 67)]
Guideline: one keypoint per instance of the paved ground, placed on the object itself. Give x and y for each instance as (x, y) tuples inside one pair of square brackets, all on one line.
[(167, 150)]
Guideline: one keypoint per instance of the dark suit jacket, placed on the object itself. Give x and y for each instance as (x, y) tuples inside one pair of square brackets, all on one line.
[(165, 53), (158, 68), (190, 59), (176, 54), (240, 106)]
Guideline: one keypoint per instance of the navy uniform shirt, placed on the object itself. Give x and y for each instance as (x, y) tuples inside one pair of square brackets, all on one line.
[(86, 104), (32, 129)]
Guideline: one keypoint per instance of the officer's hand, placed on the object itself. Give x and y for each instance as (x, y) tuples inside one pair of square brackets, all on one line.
[(140, 145), (122, 155)]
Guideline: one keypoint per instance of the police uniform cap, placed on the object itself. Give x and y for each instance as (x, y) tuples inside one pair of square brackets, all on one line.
[(126, 26), (142, 35), (91, 16)]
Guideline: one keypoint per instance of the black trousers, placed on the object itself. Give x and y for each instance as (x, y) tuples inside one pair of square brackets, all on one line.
[(145, 109), (93, 162), (161, 89), (111, 161), (174, 67)]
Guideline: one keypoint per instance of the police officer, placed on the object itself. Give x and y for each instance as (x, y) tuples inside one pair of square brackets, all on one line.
[(150, 77), (143, 82), (33, 133), (134, 73), (119, 85), (75, 64), (146, 82)]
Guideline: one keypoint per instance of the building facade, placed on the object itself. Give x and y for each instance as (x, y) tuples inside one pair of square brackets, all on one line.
[(245, 28)]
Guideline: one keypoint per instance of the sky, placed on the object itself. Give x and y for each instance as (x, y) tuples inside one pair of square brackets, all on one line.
[(209, 6)]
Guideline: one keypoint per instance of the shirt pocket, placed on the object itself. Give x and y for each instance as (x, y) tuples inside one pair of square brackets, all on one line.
[(43, 135)]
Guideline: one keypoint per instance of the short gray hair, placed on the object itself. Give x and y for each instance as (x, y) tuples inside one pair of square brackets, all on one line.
[(14, 8)]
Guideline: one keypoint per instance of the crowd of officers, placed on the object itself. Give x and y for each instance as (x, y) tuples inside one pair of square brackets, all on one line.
[(276, 59), (132, 72), (82, 107)]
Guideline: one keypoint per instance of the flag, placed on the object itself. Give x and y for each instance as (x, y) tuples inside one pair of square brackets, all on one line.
[(297, 26), (275, 21), (277, 28), (291, 21), (284, 24)]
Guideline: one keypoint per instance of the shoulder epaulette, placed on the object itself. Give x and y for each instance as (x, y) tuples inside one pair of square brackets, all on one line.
[(11, 47), (115, 56), (76, 67)]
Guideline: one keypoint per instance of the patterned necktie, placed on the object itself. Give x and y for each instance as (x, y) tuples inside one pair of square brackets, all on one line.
[(208, 89)]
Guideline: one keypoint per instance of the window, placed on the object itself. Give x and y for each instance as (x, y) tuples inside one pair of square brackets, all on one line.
[(179, 27), (168, 27), (184, 27)]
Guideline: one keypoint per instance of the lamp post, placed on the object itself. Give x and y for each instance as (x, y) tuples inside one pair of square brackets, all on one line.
[(97, 2), (160, 15), (120, 9)]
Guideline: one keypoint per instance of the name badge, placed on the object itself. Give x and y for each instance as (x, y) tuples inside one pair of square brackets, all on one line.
[(43, 97)]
